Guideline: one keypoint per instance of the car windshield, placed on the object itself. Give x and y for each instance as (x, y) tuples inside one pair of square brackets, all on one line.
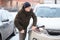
[(4, 15), (47, 12)]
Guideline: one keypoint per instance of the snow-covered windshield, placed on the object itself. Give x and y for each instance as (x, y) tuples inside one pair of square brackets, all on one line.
[(47, 12), (4, 15)]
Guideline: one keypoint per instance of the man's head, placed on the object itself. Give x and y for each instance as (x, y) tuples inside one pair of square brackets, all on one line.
[(27, 6)]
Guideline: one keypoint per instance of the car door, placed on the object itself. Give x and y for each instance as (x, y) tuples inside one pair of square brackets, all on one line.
[(7, 24)]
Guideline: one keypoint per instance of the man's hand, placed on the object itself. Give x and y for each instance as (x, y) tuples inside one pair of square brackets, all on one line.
[(22, 31), (34, 28)]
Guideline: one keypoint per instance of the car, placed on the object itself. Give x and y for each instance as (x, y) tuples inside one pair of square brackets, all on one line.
[(49, 16), (7, 27), (12, 9)]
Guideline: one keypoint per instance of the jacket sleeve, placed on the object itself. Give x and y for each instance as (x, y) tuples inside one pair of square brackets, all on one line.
[(34, 19), (17, 22)]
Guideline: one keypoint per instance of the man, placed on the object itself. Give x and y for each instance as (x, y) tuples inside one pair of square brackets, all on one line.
[(22, 19)]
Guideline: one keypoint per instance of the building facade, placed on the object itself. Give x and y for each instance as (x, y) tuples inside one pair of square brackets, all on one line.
[(19, 3)]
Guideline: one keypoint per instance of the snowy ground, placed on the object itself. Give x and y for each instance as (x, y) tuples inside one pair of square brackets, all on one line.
[(16, 37)]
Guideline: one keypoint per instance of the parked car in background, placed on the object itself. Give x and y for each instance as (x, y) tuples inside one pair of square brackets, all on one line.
[(12, 9), (49, 16), (6, 25)]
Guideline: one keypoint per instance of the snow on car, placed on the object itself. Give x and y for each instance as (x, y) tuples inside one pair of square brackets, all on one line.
[(6, 24)]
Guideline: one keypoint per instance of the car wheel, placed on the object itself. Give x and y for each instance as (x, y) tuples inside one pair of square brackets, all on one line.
[(0, 37), (13, 34)]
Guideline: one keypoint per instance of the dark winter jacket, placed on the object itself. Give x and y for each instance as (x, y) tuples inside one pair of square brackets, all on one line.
[(22, 19)]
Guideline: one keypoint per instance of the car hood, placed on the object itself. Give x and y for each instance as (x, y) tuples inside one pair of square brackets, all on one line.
[(50, 23)]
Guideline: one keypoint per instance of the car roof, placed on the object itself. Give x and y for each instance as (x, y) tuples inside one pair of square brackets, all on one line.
[(48, 5)]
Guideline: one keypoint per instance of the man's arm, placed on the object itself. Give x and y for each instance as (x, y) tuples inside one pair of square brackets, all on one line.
[(20, 28), (17, 24), (17, 21), (34, 19)]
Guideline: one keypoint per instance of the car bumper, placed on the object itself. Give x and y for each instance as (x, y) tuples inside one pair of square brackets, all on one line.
[(42, 36)]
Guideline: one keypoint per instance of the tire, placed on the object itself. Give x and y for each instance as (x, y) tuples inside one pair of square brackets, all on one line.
[(0, 37), (13, 34)]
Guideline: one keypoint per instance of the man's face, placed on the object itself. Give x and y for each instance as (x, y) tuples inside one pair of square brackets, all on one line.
[(28, 9)]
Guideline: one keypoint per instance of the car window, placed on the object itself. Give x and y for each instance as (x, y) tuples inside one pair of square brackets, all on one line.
[(57, 12), (42, 11), (52, 12), (47, 12)]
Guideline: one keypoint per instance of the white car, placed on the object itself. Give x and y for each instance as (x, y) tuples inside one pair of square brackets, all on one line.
[(49, 16), (6, 25)]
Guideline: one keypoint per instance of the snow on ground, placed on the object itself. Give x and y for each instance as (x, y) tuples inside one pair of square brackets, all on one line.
[(17, 37)]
